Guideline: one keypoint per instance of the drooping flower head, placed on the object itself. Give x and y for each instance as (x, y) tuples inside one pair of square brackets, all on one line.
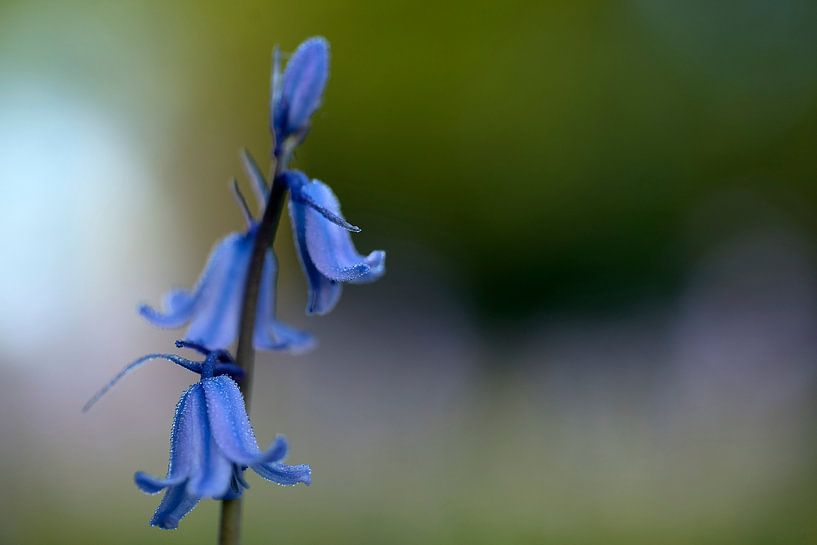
[(212, 441), (212, 309), (325, 249)]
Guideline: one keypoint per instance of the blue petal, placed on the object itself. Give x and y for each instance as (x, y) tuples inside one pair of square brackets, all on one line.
[(180, 305), (323, 293), (271, 334), (283, 474), (185, 445), (330, 246), (302, 86), (279, 336), (173, 508), (185, 438), (230, 425), (227, 415), (212, 472), (152, 485), (215, 323), (277, 451)]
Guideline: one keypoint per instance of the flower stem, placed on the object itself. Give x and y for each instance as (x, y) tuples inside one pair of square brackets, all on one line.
[(230, 524)]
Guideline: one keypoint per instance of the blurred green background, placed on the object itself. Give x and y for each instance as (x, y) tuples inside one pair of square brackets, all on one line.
[(598, 324)]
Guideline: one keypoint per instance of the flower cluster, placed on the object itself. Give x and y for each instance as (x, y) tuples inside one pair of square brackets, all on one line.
[(322, 238), (212, 442)]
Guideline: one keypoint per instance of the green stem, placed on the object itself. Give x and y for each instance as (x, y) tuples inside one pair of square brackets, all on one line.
[(230, 524)]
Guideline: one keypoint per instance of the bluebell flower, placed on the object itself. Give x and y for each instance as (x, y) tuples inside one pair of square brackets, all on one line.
[(324, 244), (297, 93), (212, 441), (213, 307)]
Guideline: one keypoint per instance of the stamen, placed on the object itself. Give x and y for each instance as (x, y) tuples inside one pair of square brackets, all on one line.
[(331, 216), (242, 203), (187, 364), (200, 348)]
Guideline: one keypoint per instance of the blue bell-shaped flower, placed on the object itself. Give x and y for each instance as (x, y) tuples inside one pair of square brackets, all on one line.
[(324, 244), (212, 441)]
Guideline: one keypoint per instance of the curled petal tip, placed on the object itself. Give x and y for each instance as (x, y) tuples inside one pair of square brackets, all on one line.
[(375, 268), (147, 312), (285, 475), (277, 451), (151, 485), (306, 346)]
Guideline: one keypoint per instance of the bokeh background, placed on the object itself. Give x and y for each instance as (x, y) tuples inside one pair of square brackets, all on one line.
[(598, 324)]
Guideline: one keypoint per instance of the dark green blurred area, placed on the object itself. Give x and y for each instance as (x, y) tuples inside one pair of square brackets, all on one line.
[(549, 153)]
